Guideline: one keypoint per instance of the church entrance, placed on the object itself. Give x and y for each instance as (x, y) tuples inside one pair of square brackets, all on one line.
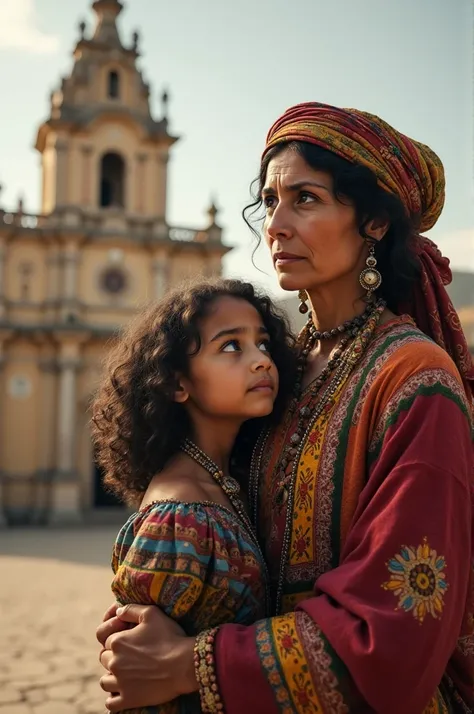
[(102, 497)]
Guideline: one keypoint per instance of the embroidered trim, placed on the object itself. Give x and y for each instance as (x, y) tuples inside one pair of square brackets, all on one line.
[(267, 656), (204, 667), (428, 379), (283, 660), (417, 578), (319, 662), (334, 447), (303, 542), (396, 340), (466, 645)]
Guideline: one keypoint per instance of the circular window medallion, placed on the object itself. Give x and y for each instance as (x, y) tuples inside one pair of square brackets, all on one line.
[(113, 281)]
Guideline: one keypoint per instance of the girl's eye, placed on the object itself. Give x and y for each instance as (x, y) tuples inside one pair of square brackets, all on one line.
[(264, 346), (231, 346)]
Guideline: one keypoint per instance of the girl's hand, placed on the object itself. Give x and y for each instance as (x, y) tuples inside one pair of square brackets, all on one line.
[(149, 664)]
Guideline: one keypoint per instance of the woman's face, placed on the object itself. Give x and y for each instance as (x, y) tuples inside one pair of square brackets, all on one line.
[(313, 237), (232, 377)]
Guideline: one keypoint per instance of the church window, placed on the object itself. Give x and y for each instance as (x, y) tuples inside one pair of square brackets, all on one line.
[(112, 181), (114, 85)]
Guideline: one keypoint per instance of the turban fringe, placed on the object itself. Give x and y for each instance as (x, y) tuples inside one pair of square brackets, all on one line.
[(414, 173)]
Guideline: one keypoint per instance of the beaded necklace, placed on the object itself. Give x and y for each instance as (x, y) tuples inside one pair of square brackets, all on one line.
[(346, 326), (324, 389), (231, 488)]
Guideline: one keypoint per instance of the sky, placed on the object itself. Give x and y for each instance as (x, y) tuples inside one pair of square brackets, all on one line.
[(231, 68)]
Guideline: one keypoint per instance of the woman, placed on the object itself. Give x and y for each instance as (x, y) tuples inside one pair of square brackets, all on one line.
[(363, 495), (186, 385)]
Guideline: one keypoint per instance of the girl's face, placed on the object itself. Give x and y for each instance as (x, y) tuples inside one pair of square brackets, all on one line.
[(232, 377)]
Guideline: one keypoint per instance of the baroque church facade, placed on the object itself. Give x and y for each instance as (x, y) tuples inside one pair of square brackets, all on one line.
[(99, 249)]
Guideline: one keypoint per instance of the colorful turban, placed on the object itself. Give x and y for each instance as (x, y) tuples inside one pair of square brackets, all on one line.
[(411, 171), (404, 167)]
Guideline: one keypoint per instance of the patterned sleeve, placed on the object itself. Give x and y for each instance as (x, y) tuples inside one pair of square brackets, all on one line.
[(382, 625), (161, 557)]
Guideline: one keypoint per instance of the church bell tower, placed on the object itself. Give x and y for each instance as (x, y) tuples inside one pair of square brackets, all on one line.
[(100, 146)]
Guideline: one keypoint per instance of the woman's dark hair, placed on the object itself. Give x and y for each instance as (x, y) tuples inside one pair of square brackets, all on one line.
[(358, 185), (137, 425)]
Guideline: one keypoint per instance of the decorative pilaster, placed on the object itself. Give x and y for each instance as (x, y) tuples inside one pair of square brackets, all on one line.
[(86, 162), (161, 185), (66, 416), (70, 262), (53, 280), (49, 371), (66, 495), (61, 172), (140, 183), (160, 275)]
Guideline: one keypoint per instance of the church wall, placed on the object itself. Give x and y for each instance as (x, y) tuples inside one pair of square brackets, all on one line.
[(29, 315), (136, 267), (101, 316), (77, 167), (21, 255), (156, 185), (81, 95), (186, 265), (20, 432)]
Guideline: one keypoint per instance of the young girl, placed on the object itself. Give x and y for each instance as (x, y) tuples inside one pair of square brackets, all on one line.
[(180, 385)]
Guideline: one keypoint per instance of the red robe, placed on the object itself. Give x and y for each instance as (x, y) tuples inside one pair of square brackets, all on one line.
[(377, 602)]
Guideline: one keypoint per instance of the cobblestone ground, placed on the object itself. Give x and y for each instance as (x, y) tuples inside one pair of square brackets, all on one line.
[(54, 588)]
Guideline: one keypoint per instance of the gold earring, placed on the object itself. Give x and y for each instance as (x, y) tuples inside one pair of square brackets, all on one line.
[(370, 278), (303, 297)]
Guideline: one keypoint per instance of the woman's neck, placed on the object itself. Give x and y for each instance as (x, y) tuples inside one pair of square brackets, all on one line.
[(331, 309)]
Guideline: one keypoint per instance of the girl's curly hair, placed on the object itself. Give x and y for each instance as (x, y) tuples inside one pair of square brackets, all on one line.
[(137, 426)]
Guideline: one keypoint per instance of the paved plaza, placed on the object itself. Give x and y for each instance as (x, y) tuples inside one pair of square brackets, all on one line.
[(54, 588)]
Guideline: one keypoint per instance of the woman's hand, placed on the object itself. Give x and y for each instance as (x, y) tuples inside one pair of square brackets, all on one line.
[(149, 664)]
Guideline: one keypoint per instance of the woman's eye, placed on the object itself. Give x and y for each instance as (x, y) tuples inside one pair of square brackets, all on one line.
[(307, 197), (269, 201), (264, 346), (231, 346)]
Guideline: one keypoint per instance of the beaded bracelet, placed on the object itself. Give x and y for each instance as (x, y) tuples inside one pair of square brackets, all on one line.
[(204, 666)]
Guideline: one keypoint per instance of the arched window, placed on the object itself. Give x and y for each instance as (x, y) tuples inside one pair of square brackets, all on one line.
[(112, 181), (114, 85)]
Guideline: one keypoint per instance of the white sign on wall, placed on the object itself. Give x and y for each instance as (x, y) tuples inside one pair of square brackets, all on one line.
[(19, 387)]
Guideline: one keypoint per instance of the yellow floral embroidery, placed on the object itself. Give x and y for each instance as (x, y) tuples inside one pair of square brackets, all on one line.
[(302, 548), (417, 578), (292, 665)]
